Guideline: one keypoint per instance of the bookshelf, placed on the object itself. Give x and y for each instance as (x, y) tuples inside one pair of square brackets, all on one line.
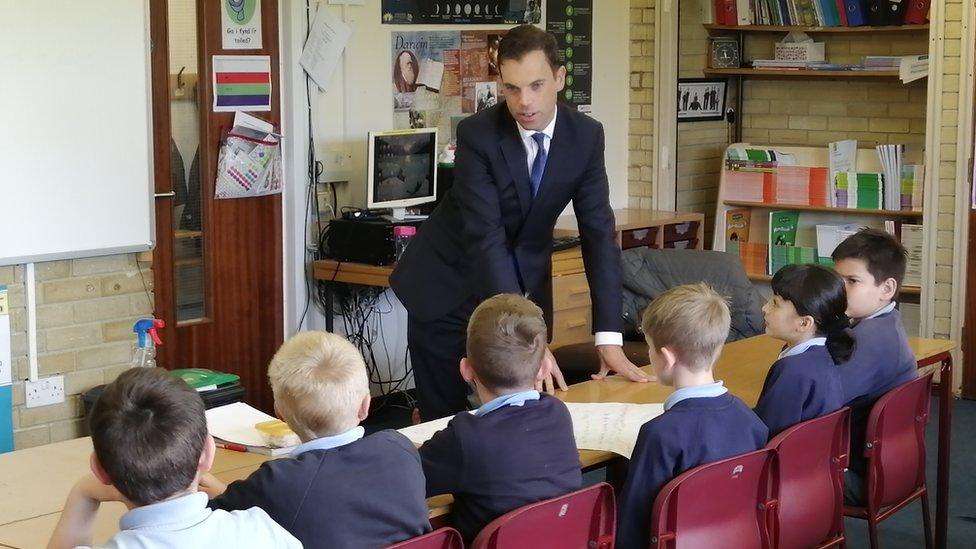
[(810, 216), (811, 30), (803, 73)]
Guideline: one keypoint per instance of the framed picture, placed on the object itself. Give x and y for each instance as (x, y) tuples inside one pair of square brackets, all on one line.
[(701, 99)]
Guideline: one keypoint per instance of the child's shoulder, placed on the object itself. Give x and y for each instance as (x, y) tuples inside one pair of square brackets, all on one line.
[(389, 438), (809, 363)]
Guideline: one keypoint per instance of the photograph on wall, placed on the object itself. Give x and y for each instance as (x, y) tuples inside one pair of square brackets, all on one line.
[(460, 12), (571, 22), (479, 67), (486, 95), (701, 99)]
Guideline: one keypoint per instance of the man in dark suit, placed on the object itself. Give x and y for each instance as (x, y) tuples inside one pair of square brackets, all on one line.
[(518, 165)]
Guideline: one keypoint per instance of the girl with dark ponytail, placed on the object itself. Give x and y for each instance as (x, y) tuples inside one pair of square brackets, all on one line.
[(807, 312)]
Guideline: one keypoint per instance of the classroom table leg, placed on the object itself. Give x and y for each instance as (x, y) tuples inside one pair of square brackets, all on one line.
[(945, 432)]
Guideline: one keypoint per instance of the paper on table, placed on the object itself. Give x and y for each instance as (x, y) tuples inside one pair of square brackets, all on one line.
[(326, 41), (431, 74), (235, 423), (610, 426), (421, 433)]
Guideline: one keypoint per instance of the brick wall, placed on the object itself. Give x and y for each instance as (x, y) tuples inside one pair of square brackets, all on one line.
[(700, 144), (85, 312), (640, 162), (946, 179)]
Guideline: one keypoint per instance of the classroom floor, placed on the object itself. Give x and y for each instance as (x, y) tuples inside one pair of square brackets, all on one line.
[(901, 531)]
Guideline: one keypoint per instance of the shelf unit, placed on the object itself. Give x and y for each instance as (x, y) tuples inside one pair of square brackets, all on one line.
[(867, 161), (812, 30), (802, 73)]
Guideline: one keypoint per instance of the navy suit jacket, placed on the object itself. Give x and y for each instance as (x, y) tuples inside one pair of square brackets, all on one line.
[(692, 432), (489, 235), (369, 493), (510, 457), (798, 388)]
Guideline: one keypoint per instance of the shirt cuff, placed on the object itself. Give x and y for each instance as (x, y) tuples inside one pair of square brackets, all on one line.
[(609, 338)]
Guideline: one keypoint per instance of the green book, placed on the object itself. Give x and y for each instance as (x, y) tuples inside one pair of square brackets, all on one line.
[(782, 233)]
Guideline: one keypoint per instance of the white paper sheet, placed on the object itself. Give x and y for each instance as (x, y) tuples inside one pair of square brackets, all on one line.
[(610, 426), (607, 426), (431, 74), (235, 423), (326, 41)]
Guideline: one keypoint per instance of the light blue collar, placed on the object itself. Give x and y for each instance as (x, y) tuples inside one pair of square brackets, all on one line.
[(883, 311), (513, 399), (327, 443), (173, 514), (695, 391), (802, 347)]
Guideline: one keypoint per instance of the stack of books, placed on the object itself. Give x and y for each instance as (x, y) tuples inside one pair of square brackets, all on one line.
[(882, 62), (858, 190), (821, 13), (911, 239), (912, 180), (800, 185)]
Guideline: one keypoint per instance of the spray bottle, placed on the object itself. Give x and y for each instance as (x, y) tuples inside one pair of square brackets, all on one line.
[(146, 353)]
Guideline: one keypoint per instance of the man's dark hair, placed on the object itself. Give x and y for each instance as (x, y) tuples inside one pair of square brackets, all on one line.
[(148, 429), (883, 254), (528, 38)]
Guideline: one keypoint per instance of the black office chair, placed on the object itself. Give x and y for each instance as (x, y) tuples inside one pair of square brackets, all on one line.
[(649, 272)]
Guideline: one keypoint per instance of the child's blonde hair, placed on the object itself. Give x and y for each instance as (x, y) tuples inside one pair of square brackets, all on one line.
[(692, 321), (506, 342), (319, 381)]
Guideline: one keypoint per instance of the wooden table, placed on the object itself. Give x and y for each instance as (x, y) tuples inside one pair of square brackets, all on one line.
[(35, 482)]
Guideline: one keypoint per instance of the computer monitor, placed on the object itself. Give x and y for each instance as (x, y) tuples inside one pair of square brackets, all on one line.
[(402, 169)]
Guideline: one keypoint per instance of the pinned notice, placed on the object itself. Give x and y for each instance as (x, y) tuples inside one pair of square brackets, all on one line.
[(241, 83), (326, 41)]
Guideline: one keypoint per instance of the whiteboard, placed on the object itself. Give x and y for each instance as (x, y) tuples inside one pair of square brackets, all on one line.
[(75, 129)]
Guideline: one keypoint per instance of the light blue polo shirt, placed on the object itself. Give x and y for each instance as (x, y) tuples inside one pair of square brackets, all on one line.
[(187, 522)]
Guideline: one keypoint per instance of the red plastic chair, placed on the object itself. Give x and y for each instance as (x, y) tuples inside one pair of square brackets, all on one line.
[(809, 477), (895, 451), (442, 538), (722, 504), (584, 518)]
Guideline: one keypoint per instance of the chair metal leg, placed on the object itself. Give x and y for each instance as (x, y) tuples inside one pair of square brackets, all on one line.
[(926, 520)]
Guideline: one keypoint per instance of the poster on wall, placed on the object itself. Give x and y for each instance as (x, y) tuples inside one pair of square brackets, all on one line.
[(241, 24), (438, 77), (571, 22), (461, 12), (241, 83)]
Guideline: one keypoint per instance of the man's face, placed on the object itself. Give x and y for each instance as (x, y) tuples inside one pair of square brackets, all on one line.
[(531, 88)]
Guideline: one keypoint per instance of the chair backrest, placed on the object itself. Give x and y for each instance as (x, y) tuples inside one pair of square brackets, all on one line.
[(584, 518), (895, 442), (809, 477), (442, 538), (721, 504)]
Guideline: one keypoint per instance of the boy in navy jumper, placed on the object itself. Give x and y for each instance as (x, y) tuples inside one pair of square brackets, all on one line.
[(339, 488), (518, 448), (702, 422), (807, 311), (151, 447), (872, 264)]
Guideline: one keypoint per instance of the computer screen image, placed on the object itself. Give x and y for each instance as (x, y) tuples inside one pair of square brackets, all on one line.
[(402, 169)]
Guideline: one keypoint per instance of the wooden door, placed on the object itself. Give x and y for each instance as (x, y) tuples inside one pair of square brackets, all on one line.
[(226, 314)]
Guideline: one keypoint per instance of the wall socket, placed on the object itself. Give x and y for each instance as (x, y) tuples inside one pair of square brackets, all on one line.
[(44, 392)]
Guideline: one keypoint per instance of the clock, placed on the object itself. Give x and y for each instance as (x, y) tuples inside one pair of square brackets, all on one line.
[(725, 53)]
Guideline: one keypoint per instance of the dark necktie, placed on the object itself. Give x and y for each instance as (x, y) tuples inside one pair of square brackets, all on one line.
[(539, 164)]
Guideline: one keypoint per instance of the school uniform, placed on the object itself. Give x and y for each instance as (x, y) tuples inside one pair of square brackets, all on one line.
[(341, 491), (882, 360), (803, 383), (700, 424), (186, 522), (515, 450)]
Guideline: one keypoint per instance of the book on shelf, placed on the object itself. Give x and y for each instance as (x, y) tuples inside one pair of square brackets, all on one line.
[(891, 157), (737, 224), (860, 190), (782, 233), (911, 239), (912, 180), (830, 236), (752, 254), (821, 13)]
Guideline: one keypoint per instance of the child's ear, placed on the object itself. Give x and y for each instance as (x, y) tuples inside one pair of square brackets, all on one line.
[(364, 407), (545, 369), (467, 372), (668, 356), (889, 288), (806, 323), (98, 470), (207, 455)]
